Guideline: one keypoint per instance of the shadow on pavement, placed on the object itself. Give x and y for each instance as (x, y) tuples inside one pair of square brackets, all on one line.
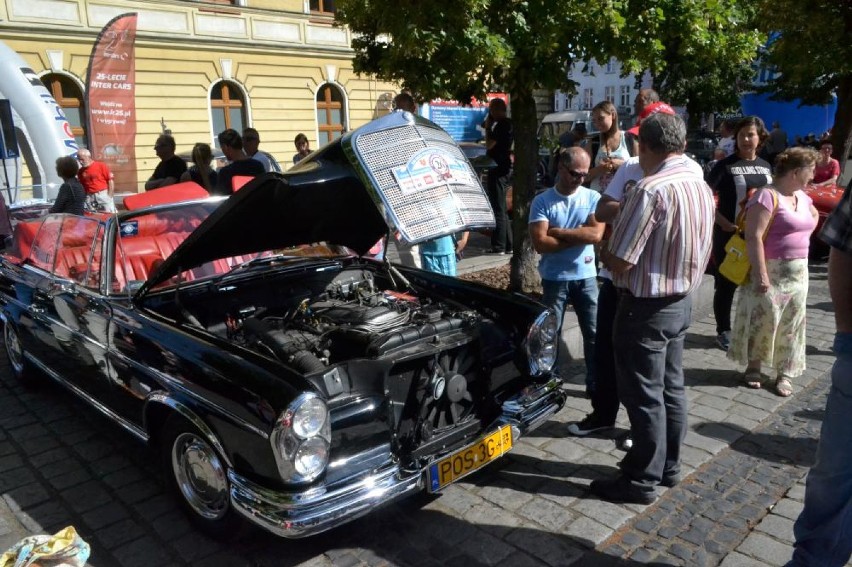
[(417, 533), (780, 448), (711, 377)]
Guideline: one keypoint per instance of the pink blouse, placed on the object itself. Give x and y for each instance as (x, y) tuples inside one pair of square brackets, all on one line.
[(790, 231)]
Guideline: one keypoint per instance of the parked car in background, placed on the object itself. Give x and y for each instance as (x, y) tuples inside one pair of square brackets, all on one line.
[(282, 377), (825, 200), (700, 146), (482, 164)]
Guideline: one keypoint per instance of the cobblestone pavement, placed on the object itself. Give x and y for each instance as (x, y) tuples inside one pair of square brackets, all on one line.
[(746, 454)]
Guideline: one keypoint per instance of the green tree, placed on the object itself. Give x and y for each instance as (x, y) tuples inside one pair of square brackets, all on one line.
[(813, 53), (705, 70), (462, 48)]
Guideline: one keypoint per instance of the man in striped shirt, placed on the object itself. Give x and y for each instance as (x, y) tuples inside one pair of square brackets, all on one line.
[(657, 254)]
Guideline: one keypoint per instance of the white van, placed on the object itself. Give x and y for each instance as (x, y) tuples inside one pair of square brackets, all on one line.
[(557, 123)]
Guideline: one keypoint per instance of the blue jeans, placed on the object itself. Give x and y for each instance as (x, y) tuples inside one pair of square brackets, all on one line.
[(648, 335), (583, 295), (824, 528)]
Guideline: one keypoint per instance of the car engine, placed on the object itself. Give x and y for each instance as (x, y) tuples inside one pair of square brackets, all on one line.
[(351, 318)]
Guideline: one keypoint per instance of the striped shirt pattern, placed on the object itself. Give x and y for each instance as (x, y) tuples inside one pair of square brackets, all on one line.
[(837, 231), (665, 230)]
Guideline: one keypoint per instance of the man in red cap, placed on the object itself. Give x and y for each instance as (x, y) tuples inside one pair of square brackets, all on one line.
[(648, 110)]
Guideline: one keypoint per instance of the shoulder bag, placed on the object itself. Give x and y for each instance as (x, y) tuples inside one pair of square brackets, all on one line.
[(736, 266)]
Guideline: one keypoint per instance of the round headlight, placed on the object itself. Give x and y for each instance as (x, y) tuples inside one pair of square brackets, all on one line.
[(309, 418), (541, 343), (311, 457)]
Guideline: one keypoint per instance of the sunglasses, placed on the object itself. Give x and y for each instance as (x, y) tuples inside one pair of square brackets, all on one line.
[(575, 174)]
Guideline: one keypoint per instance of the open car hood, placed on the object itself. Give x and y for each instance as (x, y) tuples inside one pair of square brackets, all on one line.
[(398, 172)]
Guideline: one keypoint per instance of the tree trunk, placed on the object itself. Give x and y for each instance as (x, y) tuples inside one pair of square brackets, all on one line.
[(524, 273), (841, 132)]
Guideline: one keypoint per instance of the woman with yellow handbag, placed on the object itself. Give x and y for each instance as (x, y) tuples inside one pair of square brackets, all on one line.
[(769, 325), (733, 180)]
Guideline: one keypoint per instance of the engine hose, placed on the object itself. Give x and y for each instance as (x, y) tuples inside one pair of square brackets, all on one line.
[(306, 362)]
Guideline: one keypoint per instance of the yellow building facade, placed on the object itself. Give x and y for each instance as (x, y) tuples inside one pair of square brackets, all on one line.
[(280, 66)]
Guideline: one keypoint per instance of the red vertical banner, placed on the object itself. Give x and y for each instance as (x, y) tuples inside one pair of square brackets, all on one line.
[(111, 100)]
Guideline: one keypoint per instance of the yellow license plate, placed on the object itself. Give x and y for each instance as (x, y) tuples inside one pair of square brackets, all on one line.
[(466, 460)]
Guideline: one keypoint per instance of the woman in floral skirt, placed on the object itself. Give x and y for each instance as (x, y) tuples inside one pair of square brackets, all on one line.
[(769, 325)]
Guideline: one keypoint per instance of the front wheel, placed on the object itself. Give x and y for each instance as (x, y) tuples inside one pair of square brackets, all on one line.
[(21, 368), (198, 476)]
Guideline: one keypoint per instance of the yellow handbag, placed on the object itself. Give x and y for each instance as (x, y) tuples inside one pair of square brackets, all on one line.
[(736, 266)]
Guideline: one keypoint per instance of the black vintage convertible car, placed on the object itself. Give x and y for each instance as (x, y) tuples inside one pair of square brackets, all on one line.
[(284, 377)]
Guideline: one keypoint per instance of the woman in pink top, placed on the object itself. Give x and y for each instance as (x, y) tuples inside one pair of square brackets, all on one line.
[(827, 168), (769, 325)]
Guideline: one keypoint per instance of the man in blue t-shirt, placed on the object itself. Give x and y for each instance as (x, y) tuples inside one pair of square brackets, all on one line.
[(563, 229)]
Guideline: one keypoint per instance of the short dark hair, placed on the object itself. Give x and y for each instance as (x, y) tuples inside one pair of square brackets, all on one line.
[(231, 138), (663, 133), (67, 167), (251, 133), (497, 104), (300, 138), (757, 122), (166, 140), (404, 101)]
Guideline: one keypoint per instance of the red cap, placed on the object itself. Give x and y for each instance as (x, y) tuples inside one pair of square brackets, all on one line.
[(652, 108)]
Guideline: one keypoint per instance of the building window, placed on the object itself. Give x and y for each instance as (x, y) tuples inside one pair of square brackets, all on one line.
[(323, 6), (609, 94), (227, 108), (625, 96), (69, 96), (588, 98), (610, 65), (330, 113)]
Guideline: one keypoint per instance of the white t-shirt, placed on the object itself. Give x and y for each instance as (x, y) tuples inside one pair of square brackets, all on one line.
[(261, 157), (727, 144)]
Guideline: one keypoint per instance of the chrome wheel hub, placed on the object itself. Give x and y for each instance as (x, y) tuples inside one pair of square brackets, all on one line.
[(13, 348), (200, 476)]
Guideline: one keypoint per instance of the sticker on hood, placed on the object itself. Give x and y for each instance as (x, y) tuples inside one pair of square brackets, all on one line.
[(430, 168)]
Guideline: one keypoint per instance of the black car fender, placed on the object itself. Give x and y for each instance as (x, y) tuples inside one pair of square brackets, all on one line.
[(160, 405)]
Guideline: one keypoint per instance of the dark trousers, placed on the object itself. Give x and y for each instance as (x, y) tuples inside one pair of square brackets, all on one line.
[(724, 289), (605, 394), (498, 185), (649, 333)]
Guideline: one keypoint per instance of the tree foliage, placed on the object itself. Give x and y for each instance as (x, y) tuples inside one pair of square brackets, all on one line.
[(708, 69), (812, 51), (459, 49)]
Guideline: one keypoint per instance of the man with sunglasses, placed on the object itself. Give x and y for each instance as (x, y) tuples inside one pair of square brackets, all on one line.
[(563, 229)]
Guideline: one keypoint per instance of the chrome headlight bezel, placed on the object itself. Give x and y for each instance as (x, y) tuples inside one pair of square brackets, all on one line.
[(541, 343), (301, 434)]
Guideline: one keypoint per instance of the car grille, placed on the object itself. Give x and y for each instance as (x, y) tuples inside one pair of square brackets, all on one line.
[(424, 213)]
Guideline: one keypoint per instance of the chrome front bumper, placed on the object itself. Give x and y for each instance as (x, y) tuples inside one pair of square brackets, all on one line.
[(315, 510)]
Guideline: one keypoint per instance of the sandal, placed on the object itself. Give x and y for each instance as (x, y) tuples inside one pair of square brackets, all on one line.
[(752, 379), (783, 387)]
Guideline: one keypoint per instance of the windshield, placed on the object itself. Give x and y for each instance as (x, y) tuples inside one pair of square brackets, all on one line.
[(145, 241)]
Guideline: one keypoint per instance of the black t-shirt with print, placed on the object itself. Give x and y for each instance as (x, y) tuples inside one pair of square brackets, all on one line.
[(733, 178)]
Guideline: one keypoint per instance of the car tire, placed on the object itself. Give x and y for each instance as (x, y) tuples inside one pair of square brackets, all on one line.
[(21, 368), (197, 474)]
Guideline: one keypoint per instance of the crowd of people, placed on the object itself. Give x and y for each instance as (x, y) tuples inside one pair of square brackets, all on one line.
[(666, 218), (89, 184), (665, 227)]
